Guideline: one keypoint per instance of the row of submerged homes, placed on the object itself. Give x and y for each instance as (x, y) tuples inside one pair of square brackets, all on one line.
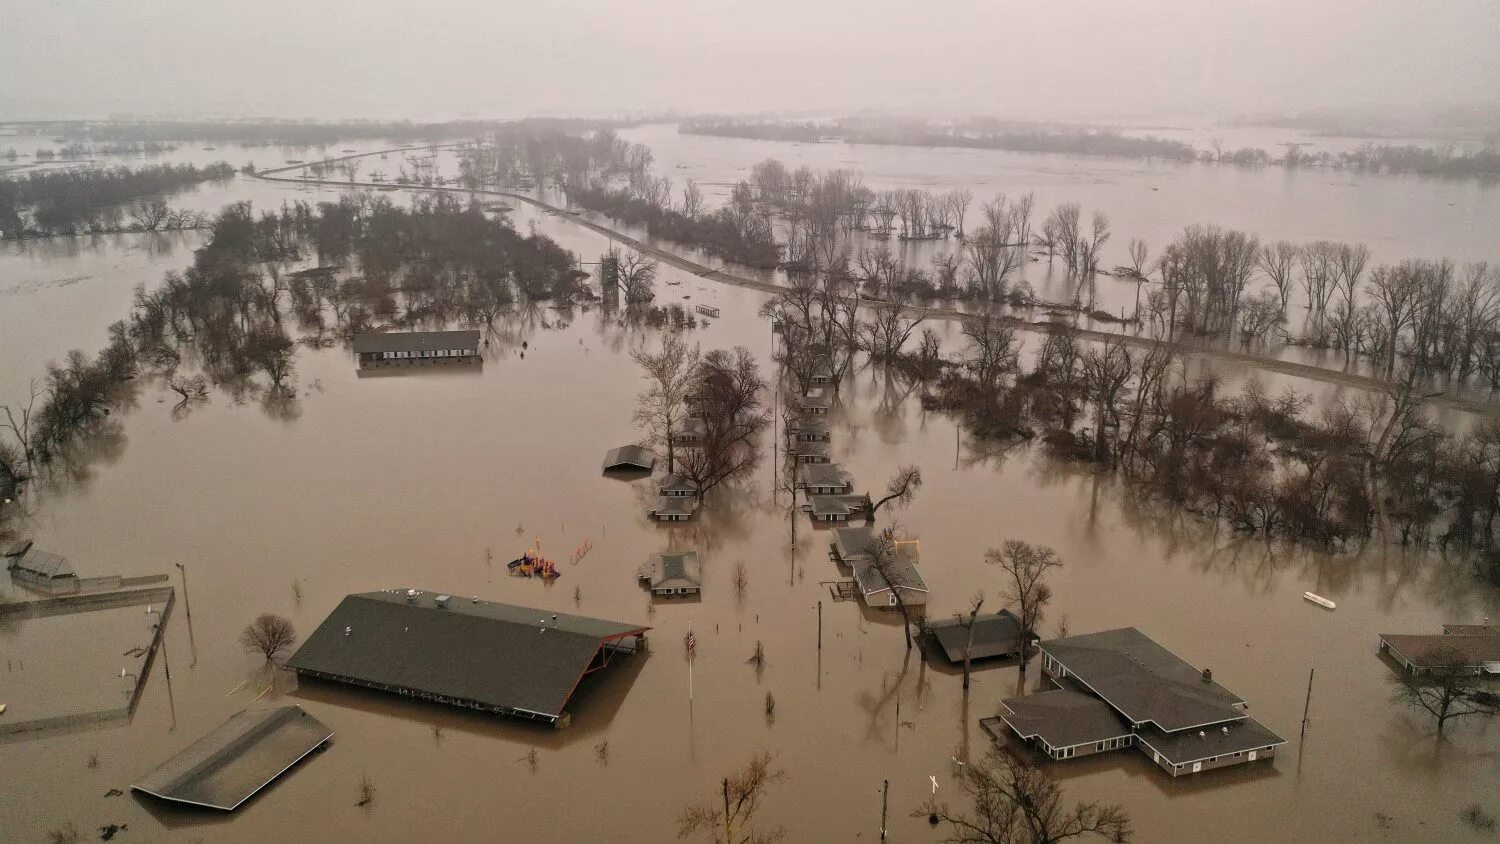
[(829, 499)]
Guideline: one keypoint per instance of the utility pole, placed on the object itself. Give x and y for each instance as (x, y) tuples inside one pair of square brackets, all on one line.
[(885, 801), (1308, 705), (188, 605), (820, 624)]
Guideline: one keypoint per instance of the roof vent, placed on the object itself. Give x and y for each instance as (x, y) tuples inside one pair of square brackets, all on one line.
[(1224, 730), (442, 601), (347, 630), (1208, 675), (1201, 734)]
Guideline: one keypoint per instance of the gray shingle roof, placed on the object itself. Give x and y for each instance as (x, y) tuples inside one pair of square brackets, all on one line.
[(414, 341), (903, 573), (43, 563), (1190, 746), (853, 543), (629, 457), (822, 474), (825, 505), (676, 570), (1063, 718), (1144, 680), (677, 483), (497, 655), (1424, 651), (994, 635), (675, 505), (226, 767)]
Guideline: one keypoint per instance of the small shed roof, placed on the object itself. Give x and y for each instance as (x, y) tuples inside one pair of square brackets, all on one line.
[(496, 655), (675, 570), (226, 767), (994, 635), (415, 341), (1063, 718), (629, 457), (1143, 680)]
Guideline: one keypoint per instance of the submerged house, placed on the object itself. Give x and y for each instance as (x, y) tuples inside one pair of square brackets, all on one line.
[(817, 401), (408, 348), (811, 452), (674, 508), (675, 485), (1474, 648), (851, 545), (493, 657), (629, 458), (878, 589), (830, 509), (995, 635), (1119, 689), (811, 430), (692, 432), (823, 479), (673, 573)]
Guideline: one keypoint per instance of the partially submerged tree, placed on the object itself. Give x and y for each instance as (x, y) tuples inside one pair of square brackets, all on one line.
[(1448, 689), (740, 795), (637, 277), (1027, 565), (670, 374), (269, 635), (728, 392), (1016, 802), (901, 488), (888, 565)]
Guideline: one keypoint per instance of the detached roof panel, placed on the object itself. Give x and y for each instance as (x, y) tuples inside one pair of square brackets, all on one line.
[(229, 765)]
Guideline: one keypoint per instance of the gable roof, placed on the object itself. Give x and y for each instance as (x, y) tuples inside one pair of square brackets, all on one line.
[(902, 573), (42, 563), (1063, 718), (853, 543), (629, 457), (676, 569), (225, 768), (674, 482), (823, 474), (828, 505), (675, 505), (994, 635), (1143, 680), (497, 655), (415, 341)]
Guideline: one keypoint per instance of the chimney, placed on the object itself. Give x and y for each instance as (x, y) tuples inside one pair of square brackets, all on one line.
[(1208, 675)]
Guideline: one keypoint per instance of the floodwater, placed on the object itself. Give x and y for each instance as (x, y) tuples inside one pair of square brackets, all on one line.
[(433, 478)]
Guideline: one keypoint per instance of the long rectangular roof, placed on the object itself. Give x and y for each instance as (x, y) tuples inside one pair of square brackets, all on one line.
[(1190, 746), (1426, 651), (44, 563), (994, 635), (415, 341), (1063, 718), (496, 655), (226, 767), (1143, 680), (903, 574)]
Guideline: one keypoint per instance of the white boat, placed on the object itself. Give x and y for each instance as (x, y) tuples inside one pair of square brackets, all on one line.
[(1319, 600)]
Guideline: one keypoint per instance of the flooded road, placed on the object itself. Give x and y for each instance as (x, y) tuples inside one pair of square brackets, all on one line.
[(433, 478)]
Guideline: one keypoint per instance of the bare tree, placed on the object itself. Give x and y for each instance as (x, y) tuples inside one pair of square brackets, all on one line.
[(637, 277), (23, 430), (730, 397), (901, 488), (974, 604), (692, 200), (889, 565), (149, 214), (194, 387), (1278, 260), (993, 354), (662, 407), (1016, 802), (1106, 371), (733, 822), (1447, 690), (888, 332), (1027, 565), (269, 635)]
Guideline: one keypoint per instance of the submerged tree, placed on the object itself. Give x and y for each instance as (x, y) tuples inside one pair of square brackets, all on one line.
[(1027, 566), (670, 374), (1016, 802), (728, 393), (901, 488), (1448, 689), (268, 635), (741, 793)]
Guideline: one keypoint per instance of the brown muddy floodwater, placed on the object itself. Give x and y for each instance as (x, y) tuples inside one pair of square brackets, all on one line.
[(416, 479)]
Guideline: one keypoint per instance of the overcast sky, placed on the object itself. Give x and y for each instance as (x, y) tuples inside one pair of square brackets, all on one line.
[(443, 58)]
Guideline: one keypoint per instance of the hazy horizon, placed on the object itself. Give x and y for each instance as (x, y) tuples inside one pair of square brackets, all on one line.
[(453, 58)]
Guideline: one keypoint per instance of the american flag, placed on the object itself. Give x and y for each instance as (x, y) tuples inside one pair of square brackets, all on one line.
[(691, 641)]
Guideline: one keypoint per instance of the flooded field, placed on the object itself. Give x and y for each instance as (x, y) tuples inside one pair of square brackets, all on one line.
[(433, 478)]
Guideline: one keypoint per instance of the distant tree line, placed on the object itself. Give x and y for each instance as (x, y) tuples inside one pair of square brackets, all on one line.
[(68, 202), (290, 132)]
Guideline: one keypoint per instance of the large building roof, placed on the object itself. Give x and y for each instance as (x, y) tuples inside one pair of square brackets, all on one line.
[(414, 341), (1063, 718), (498, 656), (1143, 680), (226, 767), (994, 635)]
